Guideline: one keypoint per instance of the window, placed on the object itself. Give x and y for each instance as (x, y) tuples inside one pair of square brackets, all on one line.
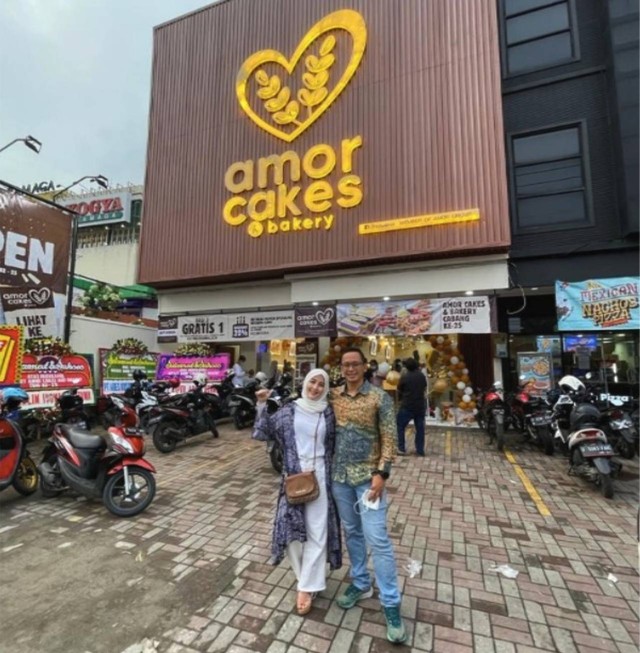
[(537, 34), (549, 179)]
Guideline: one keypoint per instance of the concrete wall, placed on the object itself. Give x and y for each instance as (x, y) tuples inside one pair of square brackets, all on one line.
[(116, 264)]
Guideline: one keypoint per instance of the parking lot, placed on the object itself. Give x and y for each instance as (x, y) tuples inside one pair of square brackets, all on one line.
[(190, 574)]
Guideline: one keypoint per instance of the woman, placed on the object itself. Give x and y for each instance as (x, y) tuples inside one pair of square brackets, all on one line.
[(309, 533)]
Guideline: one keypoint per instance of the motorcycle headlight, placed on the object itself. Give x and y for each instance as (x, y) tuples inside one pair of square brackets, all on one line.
[(121, 444)]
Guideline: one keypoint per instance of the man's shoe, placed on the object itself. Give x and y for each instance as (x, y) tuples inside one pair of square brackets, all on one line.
[(402, 453), (396, 632), (352, 595)]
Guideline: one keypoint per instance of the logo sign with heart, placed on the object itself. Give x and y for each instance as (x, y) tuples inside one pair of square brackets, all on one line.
[(316, 322), (270, 98), (39, 297)]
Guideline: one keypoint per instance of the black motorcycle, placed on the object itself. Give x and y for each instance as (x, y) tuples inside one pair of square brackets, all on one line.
[(183, 416), (281, 394), (69, 409), (493, 414), (242, 404)]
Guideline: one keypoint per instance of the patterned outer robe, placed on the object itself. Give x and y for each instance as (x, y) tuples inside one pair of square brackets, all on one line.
[(289, 520)]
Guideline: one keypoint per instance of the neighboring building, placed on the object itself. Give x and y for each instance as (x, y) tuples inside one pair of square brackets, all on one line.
[(570, 100)]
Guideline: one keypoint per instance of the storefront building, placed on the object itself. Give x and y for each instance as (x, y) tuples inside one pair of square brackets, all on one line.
[(333, 176)]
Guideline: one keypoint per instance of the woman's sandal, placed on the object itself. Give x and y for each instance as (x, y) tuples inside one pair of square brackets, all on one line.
[(304, 602)]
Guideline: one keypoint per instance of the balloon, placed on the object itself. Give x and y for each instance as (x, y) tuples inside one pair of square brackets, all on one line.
[(466, 398), (326, 367), (440, 386), (465, 378), (454, 379), (460, 366), (462, 405), (460, 385), (475, 411), (383, 370), (337, 348), (393, 377), (465, 371), (439, 340), (468, 390), (455, 360), (433, 340), (449, 373), (472, 404)]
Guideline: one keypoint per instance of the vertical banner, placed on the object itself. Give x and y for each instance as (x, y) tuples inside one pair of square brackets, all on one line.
[(34, 260), (598, 304), (11, 339)]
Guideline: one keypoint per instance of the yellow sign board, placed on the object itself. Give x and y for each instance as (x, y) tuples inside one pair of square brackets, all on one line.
[(417, 221), (300, 110)]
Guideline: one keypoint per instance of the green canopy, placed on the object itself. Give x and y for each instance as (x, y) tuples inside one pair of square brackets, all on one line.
[(134, 291)]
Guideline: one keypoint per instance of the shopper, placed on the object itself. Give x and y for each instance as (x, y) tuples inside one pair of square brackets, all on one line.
[(309, 533), (413, 405), (365, 448), (239, 375)]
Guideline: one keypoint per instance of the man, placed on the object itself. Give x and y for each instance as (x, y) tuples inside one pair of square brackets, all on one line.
[(411, 395), (239, 375), (365, 448)]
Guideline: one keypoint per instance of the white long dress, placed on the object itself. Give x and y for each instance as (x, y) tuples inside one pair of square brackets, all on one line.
[(308, 558)]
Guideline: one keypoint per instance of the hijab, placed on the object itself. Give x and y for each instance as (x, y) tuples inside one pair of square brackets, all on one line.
[(314, 405)]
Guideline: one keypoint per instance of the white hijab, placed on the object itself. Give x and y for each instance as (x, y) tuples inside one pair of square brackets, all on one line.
[(314, 405)]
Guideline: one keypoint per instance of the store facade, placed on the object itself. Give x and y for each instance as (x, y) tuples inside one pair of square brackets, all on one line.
[(337, 180)]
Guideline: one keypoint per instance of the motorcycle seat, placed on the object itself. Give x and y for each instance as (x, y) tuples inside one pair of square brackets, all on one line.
[(81, 438)]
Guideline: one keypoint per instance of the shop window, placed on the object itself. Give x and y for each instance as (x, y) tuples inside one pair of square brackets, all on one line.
[(549, 180), (537, 34)]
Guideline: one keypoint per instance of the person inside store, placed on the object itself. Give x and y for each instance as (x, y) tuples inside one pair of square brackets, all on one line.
[(366, 439), (239, 374), (309, 533), (371, 375), (411, 395)]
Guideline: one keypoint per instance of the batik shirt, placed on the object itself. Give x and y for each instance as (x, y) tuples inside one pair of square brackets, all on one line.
[(366, 433)]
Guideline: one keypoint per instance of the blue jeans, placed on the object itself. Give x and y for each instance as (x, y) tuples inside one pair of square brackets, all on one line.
[(368, 530), (404, 417)]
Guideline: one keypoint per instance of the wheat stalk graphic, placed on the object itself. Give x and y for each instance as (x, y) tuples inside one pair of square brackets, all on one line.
[(277, 98)]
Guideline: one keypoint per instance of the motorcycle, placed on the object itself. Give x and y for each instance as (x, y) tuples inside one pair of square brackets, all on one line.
[(17, 468), (576, 422), (243, 404), (224, 389), (184, 416), (531, 416), (621, 432), (110, 467), (492, 415), (280, 395), (68, 409)]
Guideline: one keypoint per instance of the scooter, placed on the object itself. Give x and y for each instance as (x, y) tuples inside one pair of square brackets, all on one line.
[(243, 405), (576, 423), (531, 416), (281, 394), (110, 467), (185, 416), (17, 468), (68, 409), (492, 414)]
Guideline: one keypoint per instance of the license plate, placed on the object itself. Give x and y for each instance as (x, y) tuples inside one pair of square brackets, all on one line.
[(596, 449), (540, 421)]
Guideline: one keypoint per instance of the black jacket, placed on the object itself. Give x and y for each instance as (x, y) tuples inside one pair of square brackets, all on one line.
[(411, 389)]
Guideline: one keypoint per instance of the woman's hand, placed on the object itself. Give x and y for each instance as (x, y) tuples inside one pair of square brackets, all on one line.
[(262, 394)]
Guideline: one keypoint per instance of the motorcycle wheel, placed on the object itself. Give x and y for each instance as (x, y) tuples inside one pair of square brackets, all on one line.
[(606, 485), (241, 419), (276, 457), (545, 436), (144, 489), (213, 428), (499, 425), (26, 479), (626, 449), (163, 441), (46, 490)]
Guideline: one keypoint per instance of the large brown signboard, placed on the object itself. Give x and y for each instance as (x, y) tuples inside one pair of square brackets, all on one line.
[(294, 134), (34, 261)]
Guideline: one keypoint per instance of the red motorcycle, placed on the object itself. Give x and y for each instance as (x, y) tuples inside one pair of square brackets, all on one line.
[(492, 415), (110, 467), (532, 416), (17, 468)]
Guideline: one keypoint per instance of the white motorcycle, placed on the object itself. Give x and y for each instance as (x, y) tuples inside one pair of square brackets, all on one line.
[(576, 425)]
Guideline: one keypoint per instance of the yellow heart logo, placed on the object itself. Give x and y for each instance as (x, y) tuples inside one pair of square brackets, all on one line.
[(283, 113)]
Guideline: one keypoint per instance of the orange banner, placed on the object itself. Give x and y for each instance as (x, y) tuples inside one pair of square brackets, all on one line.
[(11, 338)]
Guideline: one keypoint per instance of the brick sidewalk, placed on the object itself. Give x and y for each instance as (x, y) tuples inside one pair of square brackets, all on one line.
[(458, 511)]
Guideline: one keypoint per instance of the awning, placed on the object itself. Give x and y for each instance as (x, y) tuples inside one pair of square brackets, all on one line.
[(133, 291)]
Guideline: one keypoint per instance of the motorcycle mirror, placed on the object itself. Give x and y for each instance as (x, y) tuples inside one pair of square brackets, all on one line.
[(588, 376)]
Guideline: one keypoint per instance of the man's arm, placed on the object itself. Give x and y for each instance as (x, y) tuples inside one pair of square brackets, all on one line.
[(388, 432)]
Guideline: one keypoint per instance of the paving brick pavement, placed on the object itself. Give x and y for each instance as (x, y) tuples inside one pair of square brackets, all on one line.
[(458, 512)]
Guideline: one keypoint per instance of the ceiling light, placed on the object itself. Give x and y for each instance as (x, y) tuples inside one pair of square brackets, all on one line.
[(386, 299), (468, 292), (314, 303), (535, 288)]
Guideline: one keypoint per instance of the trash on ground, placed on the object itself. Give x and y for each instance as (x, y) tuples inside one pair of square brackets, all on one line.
[(505, 570), (139, 556), (612, 578), (413, 568)]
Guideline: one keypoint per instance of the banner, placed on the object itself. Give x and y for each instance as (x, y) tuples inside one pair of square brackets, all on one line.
[(58, 372), (233, 327), (167, 329), (186, 367), (47, 398), (315, 322), (34, 260), (117, 369), (598, 304), (11, 338), (417, 317)]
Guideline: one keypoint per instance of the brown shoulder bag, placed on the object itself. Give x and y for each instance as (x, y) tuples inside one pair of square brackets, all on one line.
[(303, 487)]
